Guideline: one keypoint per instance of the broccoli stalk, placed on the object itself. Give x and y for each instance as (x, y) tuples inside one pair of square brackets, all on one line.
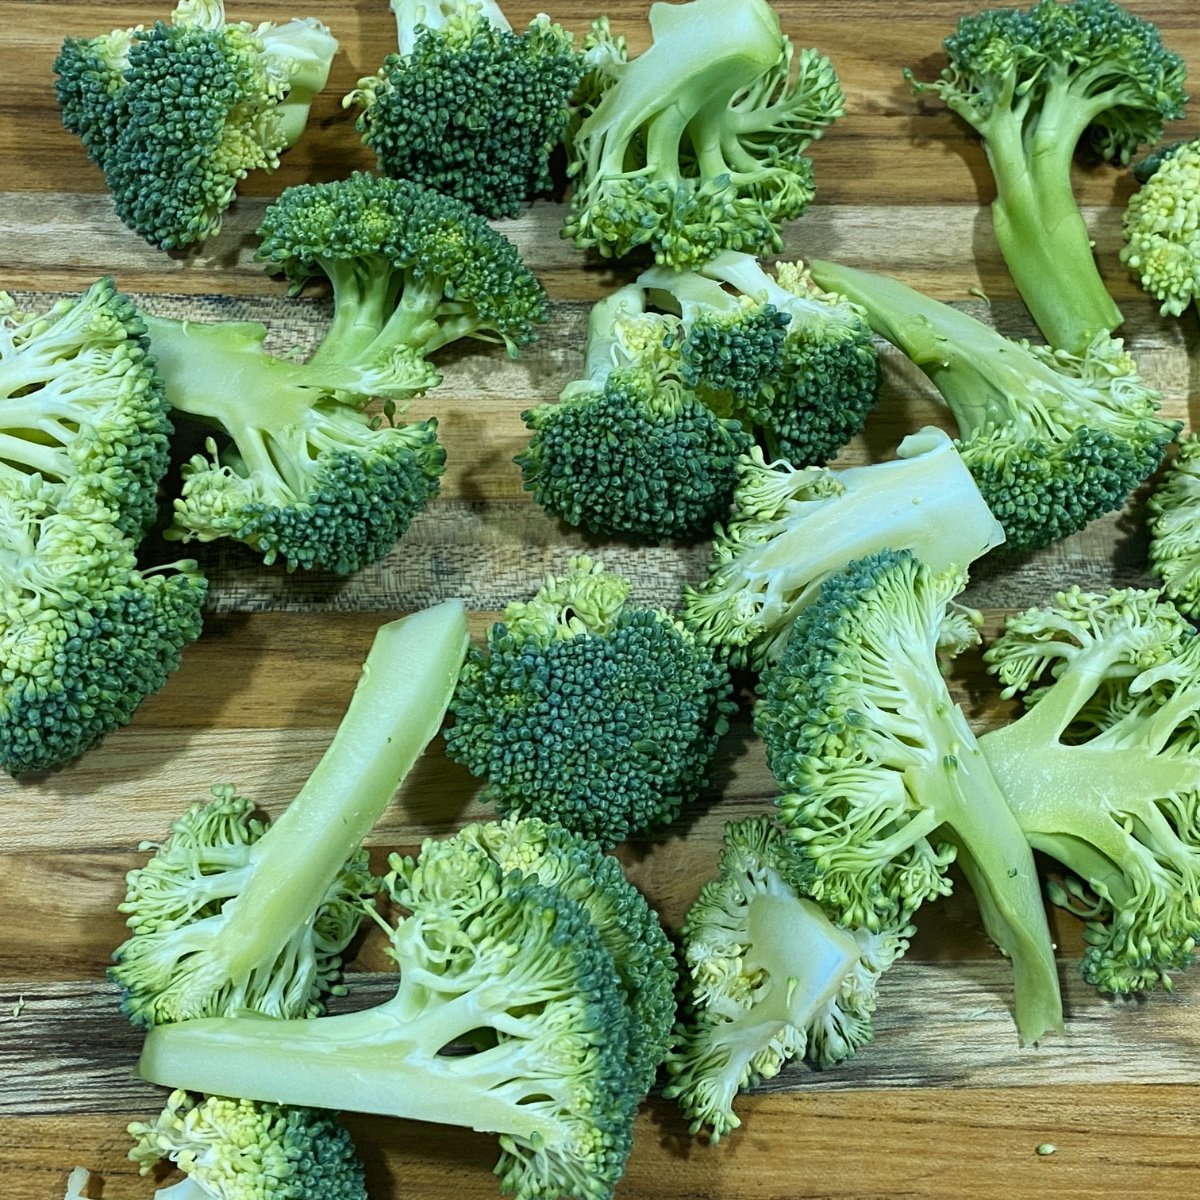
[(212, 942), (1173, 522)]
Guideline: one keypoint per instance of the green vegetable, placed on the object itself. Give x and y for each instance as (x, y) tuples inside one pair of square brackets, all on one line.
[(1054, 439), (590, 711), (1038, 84), (232, 914), (1173, 522), (178, 114), (511, 1015), (696, 145), (883, 782), (468, 107)]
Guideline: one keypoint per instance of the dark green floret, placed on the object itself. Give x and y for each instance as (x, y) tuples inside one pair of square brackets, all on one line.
[(1054, 439), (589, 711), (1037, 85), (469, 106), (178, 114)]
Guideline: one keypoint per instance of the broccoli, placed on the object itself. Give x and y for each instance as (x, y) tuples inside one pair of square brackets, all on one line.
[(302, 474), (1054, 439), (771, 977), (1174, 526), (232, 915), (696, 145), (1103, 772), (589, 711), (469, 107), (630, 448), (510, 1016), (791, 528), (883, 782), (178, 114), (243, 1150), (1162, 227), (1037, 84)]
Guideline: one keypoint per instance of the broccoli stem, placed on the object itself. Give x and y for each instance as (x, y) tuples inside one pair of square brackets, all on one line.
[(303, 47)]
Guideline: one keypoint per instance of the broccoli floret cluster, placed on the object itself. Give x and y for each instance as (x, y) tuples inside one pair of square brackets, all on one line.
[(590, 711), (178, 114), (1173, 521), (469, 106)]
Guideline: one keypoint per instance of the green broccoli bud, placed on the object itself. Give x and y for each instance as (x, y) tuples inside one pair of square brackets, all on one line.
[(586, 710), (1173, 523)]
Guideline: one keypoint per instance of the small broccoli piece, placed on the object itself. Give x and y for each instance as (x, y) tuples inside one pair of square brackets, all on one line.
[(771, 978), (178, 114), (1054, 439), (630, 448), (697, 145), (510, 1016), (1162, 227), (883, 781), (1103, 772), (245, 1150), (229, 916), (589, 711), (794, 364), (792, 528), (469, 107), (1037, 84), (1174, 526)]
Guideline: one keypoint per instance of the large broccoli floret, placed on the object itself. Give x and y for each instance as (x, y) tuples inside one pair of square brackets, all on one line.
[(468, 106), (245, 1150), (232, 916), (1103, 772), (510, 1016), (1174, 525), (178, 114), (697, 145), (1162, 227), (883, 781), (792, 528), (630, 448), (771, 977), (590, 711), (1054, 439), (1037, 84)]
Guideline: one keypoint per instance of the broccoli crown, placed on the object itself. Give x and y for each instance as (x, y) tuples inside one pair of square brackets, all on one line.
[(696, 145), (1103, 772), (792, 527), (1162, 228), (178, 114), (82, 403), (771, 978), (1054, 439), (251, 1150), (473, 109), (1174, 526), (588, 711)]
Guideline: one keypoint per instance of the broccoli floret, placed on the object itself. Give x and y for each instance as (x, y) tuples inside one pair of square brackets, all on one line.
[(509, 1016), (245, 1150), (590, 711), (697, 145), (630, 448), (229, 916), (771, 978), (1054, 439), (469, 107), (178, 114), (883, 782), (794, 364), (1162, 227), (792, 528), (1036, 85), (1173, 523), (1103, 772)]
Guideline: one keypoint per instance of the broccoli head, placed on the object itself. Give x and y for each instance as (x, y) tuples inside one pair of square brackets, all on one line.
[(469, 107), (178, 114), (1054, 439), (589, 711), (883, 782), (696, 145), (1038, 84), (1174, 526)]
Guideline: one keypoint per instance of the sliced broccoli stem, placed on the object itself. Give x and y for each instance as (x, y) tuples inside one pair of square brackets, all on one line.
[(302, 50)]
